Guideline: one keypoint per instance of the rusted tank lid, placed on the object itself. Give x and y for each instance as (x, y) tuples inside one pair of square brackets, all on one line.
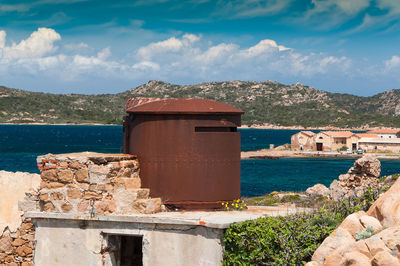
[(178, 106)]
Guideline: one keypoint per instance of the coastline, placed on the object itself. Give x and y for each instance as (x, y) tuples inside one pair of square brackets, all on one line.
[(271, 126), (61, 124), (277, 154), (263, 126)]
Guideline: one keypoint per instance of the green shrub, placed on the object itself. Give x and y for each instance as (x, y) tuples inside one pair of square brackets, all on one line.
[(289, 240), (291, 198), (343, 148), (267, 200), (366, 233)]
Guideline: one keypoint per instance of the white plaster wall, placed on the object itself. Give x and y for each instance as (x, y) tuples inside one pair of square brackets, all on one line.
[(387, 136), (61, 242), (13, 187), (65, 243), (198, 246)]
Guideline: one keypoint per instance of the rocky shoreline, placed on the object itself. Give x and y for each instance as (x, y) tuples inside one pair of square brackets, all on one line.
[(277, 154), (365, 237), (263, 126), (271, 126)]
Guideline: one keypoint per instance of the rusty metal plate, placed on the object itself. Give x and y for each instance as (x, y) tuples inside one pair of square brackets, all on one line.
[(178, 106)]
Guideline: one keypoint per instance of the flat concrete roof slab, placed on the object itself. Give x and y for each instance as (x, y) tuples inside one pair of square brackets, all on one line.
[(214, 219)]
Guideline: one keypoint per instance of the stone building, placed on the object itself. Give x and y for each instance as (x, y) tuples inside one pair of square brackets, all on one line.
[(335, 140), (91, 209), (304, 140)]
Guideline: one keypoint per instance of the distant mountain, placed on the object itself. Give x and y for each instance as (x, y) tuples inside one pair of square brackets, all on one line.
[(264, 102)]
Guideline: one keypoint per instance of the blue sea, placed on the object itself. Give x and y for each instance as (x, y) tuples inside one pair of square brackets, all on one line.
[(21, 144)]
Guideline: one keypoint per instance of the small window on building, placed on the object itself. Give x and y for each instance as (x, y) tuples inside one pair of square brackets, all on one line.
[(390, 137), (123, 250), (381, 137), (376, 147), (215, 129)]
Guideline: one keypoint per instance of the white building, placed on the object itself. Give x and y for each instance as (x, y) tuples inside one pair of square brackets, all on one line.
[(385, 133), (379, 144)]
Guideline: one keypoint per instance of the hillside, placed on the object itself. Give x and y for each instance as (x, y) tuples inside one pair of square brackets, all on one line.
[(263, 102)]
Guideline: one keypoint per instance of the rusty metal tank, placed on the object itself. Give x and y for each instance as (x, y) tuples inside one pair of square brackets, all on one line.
[(188, 149)]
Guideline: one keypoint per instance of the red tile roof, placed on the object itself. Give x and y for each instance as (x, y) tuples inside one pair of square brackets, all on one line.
[(308, 133), (384, 131), (339, 134), (367, 135)]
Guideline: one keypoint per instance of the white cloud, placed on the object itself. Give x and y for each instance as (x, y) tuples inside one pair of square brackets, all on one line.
[(104, 54), (76, 46), (393, 6), (137, 23), (146, 65), (2, 39), (390, 13), (191, 38), (331, 13), (216, 54), (264, 46), (39, 43), (14, 8), (392, 63), (250, 8), (186, 58), (327, 14), (176, 59), (352, 7), (170, 45), (51, 62)]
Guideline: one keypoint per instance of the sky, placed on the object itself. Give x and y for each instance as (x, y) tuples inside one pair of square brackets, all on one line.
[(102, 46)]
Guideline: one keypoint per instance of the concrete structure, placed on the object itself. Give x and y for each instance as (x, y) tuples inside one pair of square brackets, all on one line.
[(335, 140), (169, 238), (379, 144), (304, 140), (385, 133), (90, 209)]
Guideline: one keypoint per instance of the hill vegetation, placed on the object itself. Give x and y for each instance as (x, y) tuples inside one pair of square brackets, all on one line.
[(264, 102)]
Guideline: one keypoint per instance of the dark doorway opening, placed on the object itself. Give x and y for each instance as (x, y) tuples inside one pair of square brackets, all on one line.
[(124, 250), (320, 146), (215, 129)]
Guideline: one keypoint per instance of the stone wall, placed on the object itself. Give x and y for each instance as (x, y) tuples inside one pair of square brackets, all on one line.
[(302, 141), (16, 248), (16, 233), (99, 184)]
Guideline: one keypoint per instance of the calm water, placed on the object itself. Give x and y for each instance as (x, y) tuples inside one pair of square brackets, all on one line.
[(20, 145)]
